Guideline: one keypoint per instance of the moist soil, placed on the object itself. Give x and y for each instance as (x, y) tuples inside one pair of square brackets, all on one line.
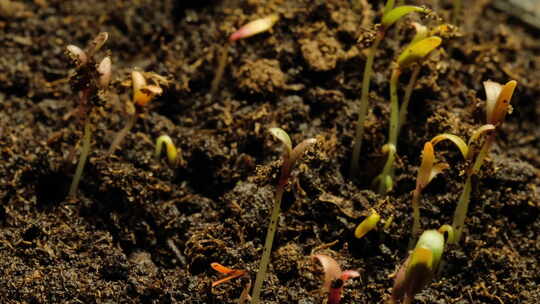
[(141, 231)]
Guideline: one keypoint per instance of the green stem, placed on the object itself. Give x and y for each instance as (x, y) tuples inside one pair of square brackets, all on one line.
[(463, 204), (416, 218), (385, 178), (403, 110), (394, 108), (362, 110), (265, 259), (82, 159)]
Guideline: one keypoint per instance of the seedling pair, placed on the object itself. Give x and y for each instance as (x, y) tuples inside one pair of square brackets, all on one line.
[(334, 278), (421, 265), (290, 156), (427, 172), (419, 48), (390, 16), (88, 80)]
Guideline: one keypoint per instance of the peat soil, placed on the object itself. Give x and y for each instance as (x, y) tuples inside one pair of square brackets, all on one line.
[(140, 231)]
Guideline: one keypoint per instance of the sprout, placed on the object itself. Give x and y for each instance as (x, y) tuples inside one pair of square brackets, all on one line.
[(421, 265), (89, 79), (172, 153), (368, 224), (334, 278), (497, 105), (390, 16), (252, 28), (290, 156), (412, 53), (104, 70), (143, 93), (399, 12)]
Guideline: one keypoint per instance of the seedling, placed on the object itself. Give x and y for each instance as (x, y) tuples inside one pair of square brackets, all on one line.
[(368, 224), (172, 153), (390, 16), (427, 172), (290, 156), (250, 29), (421, 265), (230, 275), (410, 55), (497, 106), (88, 80), (143, 94), (334, 278)]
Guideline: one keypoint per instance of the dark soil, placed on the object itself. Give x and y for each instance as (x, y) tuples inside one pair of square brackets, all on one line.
[(142, 232)]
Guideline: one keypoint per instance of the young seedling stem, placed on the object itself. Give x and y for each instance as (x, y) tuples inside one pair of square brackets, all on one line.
[(410, 55), (89, 79), (87, 138), (497, 105), (390, 16), (290, 156)]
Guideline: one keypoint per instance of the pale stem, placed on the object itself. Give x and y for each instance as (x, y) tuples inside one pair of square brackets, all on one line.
[(122, 134), (222, 62), (82, 159), (363, 106), (463, 204), (403, 110), (265, 259)]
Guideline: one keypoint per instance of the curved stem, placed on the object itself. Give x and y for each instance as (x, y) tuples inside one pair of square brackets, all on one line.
[(82, 159), (122, 134), (362, 110), (385, 178), (403, 110)]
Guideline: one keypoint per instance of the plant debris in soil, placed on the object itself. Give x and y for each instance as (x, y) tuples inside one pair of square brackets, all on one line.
[(141, 231)]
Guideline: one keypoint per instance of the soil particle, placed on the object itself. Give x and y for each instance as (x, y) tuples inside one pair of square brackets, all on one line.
[(260, 76), (321, 50)]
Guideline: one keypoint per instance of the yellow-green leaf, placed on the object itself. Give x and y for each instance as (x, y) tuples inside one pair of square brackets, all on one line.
[(399, 12), (418, 50)]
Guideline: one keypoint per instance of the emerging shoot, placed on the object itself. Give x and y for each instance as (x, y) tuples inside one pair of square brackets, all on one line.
[(172, 153), (420, 266), (334, 278), (143, 94), (230, 273), (290, 156), (251, 29), (368, 224), (497, 106)]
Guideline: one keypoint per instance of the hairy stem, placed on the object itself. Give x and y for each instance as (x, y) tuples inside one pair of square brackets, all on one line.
[(82, 159), (272, 227), (416, 218), (362, 110)]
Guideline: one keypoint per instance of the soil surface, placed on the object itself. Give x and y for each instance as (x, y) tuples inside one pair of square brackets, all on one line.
[(141, 231)]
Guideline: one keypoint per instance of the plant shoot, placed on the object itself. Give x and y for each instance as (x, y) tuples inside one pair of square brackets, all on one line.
[(334, 278), (290, 156)]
